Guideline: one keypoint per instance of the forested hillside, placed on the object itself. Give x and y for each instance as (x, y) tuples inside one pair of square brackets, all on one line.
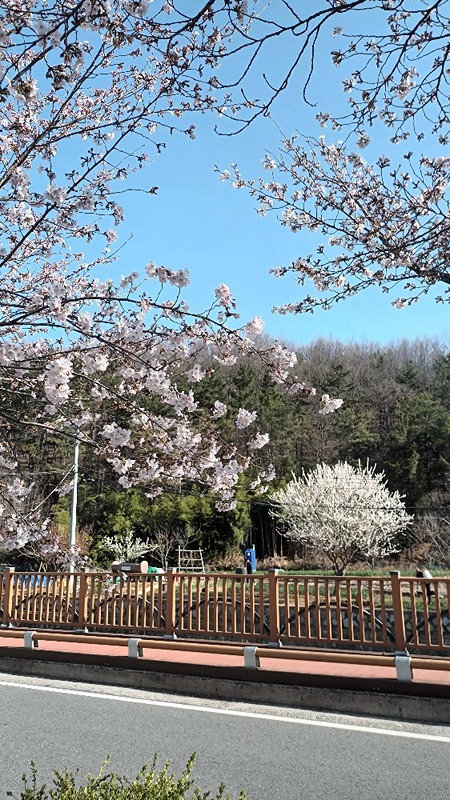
[(396, 413)]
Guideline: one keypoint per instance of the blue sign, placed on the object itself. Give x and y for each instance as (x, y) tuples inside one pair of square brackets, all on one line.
[(250, 559)]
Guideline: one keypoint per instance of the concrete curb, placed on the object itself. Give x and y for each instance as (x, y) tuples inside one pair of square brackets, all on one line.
[(370, 703)]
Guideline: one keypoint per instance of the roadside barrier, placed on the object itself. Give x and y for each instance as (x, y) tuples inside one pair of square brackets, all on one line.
[(403, 662), (394, 613)]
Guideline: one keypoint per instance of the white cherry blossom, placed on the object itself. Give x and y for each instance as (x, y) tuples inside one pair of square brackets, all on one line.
[(245, 418)]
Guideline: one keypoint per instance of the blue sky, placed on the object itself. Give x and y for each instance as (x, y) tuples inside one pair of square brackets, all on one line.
[(197, 222)]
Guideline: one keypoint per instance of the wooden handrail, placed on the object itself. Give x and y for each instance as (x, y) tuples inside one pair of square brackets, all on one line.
[(420, 662), (220, 648), (373, 614), (11, 634)]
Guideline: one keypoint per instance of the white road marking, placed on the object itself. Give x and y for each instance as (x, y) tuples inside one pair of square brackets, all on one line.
[(230, 712)]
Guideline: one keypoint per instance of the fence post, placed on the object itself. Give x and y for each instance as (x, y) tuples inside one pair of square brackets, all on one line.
[(274, 609), (82, 602), (170, 604), (7, 596), (397, 607)]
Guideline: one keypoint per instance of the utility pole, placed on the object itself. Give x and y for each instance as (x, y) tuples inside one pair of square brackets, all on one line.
[(73, 508)]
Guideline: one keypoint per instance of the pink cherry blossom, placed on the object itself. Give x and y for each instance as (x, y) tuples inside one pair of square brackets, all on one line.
[(91, 91)]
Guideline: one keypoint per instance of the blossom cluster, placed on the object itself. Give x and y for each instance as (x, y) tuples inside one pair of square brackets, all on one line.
[(373, 189), (374, 224), (88, 90), (342, 511)]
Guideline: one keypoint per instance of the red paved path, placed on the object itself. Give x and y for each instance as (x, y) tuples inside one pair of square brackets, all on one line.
[(218, 660)]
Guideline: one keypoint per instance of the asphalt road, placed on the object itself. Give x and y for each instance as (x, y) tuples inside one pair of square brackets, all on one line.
[(274, 753)]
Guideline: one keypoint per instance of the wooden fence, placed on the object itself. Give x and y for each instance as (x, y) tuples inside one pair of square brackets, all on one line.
[(375, 613)]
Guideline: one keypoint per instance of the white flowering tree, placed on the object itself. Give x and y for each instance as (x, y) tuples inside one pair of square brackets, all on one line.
[(372, 191), (343, 512), (88, 90), (127, 547)]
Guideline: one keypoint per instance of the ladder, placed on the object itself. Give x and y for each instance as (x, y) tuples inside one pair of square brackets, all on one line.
[(190, 560)]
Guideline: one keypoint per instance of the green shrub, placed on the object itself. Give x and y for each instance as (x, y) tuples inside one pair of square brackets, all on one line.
[(148, 785)]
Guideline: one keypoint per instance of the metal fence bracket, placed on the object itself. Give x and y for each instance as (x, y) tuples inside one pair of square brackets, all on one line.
[(28, 641), (403, 666), (134, 648), (251, 658)]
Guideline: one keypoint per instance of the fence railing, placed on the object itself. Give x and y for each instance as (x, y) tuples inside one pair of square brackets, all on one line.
[(368, 613)]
